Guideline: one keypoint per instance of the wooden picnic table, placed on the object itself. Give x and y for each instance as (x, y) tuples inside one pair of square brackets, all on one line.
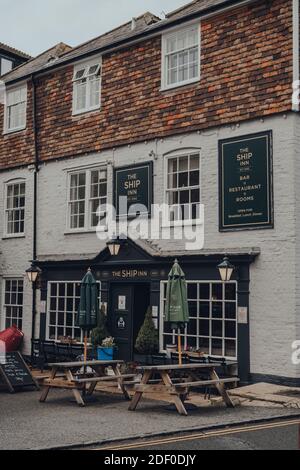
[(177, 380), (76, 377)]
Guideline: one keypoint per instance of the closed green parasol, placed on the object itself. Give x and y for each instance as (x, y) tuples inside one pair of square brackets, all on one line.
[(177, 311), (88, 306)]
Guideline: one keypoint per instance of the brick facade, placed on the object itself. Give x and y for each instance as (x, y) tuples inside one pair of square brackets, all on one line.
[(246, 72)]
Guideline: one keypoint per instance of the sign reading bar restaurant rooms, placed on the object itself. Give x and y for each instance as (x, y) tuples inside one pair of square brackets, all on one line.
[(245, 172), (135, 184)]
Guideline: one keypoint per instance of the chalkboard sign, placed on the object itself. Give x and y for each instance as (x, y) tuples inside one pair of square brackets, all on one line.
[(15, 373), (246, 195)]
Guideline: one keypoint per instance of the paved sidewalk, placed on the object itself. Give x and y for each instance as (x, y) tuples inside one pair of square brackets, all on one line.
[(27, 424)]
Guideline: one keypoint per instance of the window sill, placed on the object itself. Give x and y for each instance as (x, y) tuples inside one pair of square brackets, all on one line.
[(183, 223), (86, 112), (9, 237), (84, 231), (179, 85), (13, 131)]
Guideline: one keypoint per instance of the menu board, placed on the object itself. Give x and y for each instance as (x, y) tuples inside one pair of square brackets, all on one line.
[(14, 372), (245, 181)]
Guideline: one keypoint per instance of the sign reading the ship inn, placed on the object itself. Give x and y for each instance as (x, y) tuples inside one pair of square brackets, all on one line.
[(245, 172), (134, 183)]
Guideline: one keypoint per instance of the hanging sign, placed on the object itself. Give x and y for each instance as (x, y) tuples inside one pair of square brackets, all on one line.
[(245, 182), (135, 184)]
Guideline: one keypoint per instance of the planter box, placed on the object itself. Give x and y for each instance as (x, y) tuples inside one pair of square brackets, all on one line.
[(105, 354)]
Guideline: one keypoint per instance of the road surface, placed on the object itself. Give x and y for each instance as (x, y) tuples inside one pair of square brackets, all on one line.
[(278, 435)]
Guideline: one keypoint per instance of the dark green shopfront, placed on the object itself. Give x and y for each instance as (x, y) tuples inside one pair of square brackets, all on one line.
[(135, 280)]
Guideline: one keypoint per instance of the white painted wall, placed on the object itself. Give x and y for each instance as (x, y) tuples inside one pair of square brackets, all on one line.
[(274, 298)]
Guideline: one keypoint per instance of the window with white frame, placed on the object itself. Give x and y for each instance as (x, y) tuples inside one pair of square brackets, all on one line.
[(181, 57), (183, 187), (13, 303), (63, 303), (15, 209), (212, 328), (87, 192), (87, 86), (15, 109)]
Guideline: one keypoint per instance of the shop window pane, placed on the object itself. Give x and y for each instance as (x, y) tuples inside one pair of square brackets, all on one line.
[(168, 339), (193, 309), (204, 327), (204, 309), (70, 304), (53, 318), (61, 304), (192, 327), (77, 334), (204, 345), (204, 292), (70, 290), (61, 318), (53, 290), (191, 343), (167, 328), (217, 328), (230, 348), (217, 347), (217, 310), (230, 329), (53, 303), (217, 291), (60, 333), (69, 332), (69, 319), (230, 310), (61, 290), (52, 333), (230, 291), (192, 291)]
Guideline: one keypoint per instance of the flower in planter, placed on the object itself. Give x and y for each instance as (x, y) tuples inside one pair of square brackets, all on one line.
[(108, 342)]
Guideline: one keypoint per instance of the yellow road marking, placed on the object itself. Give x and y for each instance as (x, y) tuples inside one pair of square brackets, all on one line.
[(204, 435)]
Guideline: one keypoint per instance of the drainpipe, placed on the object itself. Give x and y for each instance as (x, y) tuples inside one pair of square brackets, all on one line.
[(296, 55), (35, 183)]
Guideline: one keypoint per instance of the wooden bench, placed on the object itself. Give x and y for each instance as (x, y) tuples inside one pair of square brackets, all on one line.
[(202, 383)]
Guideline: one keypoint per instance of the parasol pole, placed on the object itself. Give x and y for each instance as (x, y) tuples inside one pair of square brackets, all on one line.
[(85, 347), (179, 348)]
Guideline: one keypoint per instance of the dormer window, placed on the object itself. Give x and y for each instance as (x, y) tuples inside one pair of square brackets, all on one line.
[(181, 57), (87, 86), (15, 109)]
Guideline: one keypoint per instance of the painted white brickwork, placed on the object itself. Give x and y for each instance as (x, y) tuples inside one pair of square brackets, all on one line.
[(274, 287)]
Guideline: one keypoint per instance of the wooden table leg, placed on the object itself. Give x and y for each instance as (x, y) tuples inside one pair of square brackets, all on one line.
[(222, 390), (117, 373), (46, 389), (175, 398), (76, 392), (138, 395), (100, 373)]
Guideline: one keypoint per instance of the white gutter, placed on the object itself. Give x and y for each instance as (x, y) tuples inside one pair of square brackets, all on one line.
[(296, 55)]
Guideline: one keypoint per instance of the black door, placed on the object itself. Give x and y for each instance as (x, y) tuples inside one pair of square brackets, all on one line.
[(121, 319), (128, 306)]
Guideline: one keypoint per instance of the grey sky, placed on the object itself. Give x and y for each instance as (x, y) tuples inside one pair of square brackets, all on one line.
[(36, 25)]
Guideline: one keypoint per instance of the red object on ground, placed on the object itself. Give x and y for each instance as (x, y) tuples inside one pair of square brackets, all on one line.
[(12, 338)]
